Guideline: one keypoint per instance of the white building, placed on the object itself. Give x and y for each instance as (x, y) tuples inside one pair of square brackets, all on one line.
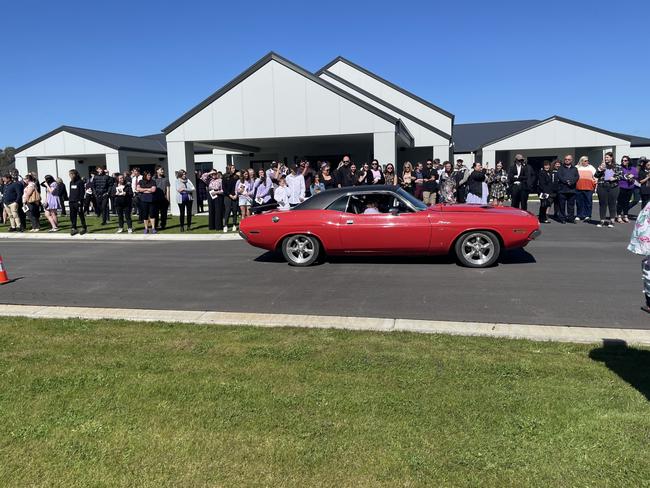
[(276, 110)]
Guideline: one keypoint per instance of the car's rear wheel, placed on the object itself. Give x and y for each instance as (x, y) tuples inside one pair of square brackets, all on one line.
[(300, 249), (478, 249)]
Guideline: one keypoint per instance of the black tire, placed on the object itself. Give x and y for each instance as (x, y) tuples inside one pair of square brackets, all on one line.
[(477, 249), (300, 249)]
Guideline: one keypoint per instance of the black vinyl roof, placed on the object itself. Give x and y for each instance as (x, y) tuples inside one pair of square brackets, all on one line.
[(114, 140), (324, 199)]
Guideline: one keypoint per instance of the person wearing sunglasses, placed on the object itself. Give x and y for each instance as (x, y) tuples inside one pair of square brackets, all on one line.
[(521, 182)]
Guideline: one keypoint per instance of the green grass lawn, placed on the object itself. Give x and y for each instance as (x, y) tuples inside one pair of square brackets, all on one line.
[(199, 225), (132, 404)]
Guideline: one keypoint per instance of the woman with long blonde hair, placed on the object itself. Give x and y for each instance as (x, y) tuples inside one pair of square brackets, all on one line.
[(408, 178)]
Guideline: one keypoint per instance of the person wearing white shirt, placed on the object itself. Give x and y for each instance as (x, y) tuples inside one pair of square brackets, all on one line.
[(296, 185), (282, 193)]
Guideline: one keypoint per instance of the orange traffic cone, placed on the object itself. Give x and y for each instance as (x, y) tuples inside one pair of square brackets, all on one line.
[(3, 274)]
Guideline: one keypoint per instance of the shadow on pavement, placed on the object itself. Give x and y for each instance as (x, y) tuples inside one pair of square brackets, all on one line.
[(516, 256), (630, 364)]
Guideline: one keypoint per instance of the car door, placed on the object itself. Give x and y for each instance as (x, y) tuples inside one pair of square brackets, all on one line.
[(400, 231)]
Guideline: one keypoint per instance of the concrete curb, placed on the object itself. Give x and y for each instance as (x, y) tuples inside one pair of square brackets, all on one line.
[(60, 236), (511, 331)]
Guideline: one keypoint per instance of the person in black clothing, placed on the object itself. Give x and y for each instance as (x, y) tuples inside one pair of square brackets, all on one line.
[(122, 195), (477, 189), (12, 198), (77, 197), (344, 176), (546, 186), (567, 177), (230, 199), (461, 175), (644, 181), (162, 197), (521, 181), (430, 184), (63, 194), (102, 183)]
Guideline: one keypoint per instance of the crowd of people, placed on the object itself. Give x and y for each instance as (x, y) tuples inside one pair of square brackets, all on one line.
[(563, 187)]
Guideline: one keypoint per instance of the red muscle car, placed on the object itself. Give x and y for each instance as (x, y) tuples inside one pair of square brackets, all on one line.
[(386, 220)]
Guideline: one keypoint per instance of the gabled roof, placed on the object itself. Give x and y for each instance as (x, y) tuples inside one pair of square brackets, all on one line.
[(470, 137), (113, 140), (288, 64), (389, 106), (403, 91), (636, 141)]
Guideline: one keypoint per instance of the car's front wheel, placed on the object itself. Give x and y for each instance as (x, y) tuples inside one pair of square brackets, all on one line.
[(478, 249), (300, 249)]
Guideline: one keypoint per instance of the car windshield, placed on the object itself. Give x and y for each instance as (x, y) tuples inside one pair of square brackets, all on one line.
[(417, 204)]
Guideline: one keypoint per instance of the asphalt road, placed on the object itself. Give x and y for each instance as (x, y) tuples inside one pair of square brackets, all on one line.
[(573, 275)]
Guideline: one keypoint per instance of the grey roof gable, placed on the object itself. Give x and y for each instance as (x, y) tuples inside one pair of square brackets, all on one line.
[(113, 140), (288, 64), (403, 91), (471, 137)]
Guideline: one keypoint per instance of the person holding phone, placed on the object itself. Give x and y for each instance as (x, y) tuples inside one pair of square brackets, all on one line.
[(608, 176), (146, 189), (184, 198)]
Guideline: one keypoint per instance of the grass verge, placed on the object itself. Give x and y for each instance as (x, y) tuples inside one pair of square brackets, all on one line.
[(112, 403)]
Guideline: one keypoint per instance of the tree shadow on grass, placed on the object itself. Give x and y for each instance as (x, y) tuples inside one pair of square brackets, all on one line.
[(630, 364)]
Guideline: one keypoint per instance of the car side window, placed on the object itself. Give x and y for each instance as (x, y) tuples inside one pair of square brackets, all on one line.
[(340, 204)]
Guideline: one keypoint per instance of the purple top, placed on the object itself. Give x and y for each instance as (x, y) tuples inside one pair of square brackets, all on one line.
[(627, 173), (215, 184), (263, 189), (53, 203)]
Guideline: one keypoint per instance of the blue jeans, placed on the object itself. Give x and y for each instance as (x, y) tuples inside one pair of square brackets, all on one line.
[(585, 203)]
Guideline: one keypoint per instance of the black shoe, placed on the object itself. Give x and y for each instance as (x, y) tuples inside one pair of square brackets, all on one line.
[(83, 231), (189, 228), (182, 229), (74, 232), (646, 309), (562, 221)]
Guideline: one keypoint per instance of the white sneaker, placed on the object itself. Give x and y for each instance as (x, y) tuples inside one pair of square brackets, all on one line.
[(600, 224), (119, 231), (234, 228), (577, 219), (610, 225), (130, 231)]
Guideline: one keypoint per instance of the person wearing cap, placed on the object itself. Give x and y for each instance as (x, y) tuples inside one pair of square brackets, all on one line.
[(521, 181)]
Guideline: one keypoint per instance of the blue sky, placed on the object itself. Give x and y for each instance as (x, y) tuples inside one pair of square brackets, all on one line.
[(135, 66)]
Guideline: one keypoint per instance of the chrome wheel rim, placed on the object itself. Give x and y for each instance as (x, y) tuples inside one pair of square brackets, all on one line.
[(477, 248), (300, 249)]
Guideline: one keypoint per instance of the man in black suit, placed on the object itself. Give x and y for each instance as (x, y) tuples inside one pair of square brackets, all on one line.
[(567, 177), (522, 181)]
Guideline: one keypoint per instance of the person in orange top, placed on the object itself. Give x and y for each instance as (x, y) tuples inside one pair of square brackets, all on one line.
[(585, 189)]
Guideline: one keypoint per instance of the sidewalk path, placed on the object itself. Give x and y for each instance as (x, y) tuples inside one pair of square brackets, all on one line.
[(64, 236), (512, 331)]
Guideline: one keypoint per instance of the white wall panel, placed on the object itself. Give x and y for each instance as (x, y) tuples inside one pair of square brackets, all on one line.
[(65, 144), (421, 135), (276, 101), (556, 133), (392, 96)]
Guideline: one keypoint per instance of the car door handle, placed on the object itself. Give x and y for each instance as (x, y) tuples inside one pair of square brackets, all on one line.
[(349, 222)]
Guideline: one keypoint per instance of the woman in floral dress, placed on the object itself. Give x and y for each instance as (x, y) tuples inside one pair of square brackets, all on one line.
[(640, 244), (447, 184), (498, 182)]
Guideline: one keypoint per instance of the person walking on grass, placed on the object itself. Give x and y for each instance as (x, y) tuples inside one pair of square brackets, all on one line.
[(53, 203), (77, 198), (122, 195), (640, 244), (32, 199), (11, 199), (184, 198), (146, 189)]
